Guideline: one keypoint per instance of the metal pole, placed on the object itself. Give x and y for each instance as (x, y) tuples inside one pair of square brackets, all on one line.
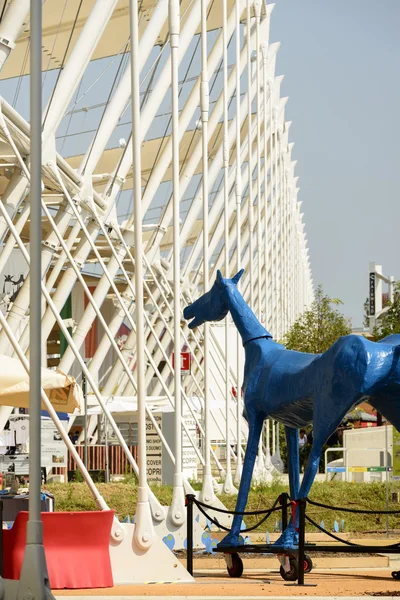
[(238, 192), (107, 469), (228, 483), (249, 156), (144, 531), (387, 478), (34, 578), (301, 507), (257, 10), (85, 450), (189, 533), (178, 501), (35, 235), (207, 493)]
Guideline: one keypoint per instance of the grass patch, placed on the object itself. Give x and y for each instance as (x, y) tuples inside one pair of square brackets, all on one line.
[(122, 497), (361, 496)]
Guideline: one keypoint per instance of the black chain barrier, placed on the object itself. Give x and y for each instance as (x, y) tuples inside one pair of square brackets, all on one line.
[(335, 537), (233, 512), (266, 513), (354, 510), (332, 535)]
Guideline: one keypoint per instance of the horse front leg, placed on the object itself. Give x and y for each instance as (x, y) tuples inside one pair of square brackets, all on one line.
[(255, 427), (289, 536)]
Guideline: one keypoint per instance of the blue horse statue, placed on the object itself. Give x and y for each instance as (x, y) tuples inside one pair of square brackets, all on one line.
[(296, 389)]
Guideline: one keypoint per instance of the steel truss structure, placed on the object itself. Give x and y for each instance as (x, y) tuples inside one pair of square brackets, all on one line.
[(166, 156)]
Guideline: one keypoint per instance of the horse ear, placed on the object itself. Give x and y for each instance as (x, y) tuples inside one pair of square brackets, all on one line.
[(237, 277), (219, 276)]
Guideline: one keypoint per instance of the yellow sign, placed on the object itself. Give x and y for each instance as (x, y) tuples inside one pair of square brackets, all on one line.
[(357, 469)]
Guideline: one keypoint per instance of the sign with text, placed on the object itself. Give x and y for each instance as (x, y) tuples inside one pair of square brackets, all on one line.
[(185, 362), (153, 451), (372, 294), (189, 456), (54, 451)]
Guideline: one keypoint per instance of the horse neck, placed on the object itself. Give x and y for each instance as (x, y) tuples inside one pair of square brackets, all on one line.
[(247, 324)]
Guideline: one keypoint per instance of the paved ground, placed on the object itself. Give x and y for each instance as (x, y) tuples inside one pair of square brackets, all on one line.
[(321, 582)]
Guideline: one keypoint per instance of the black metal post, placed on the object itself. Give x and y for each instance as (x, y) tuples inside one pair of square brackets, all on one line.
[(302, 535), (189, 533), (283, 500)]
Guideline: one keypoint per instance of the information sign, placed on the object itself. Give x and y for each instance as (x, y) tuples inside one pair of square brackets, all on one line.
[(185, 362), (372, 294), (153, 451), (189, 456), (54, 451)]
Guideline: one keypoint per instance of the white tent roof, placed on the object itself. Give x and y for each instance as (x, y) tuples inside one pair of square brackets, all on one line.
[(128, 404), (62, 390), (60, 19)]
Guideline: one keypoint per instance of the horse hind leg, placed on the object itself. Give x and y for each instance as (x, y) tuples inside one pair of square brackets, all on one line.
[(292, 441), (389, 408), (328, 415), (325, 422)]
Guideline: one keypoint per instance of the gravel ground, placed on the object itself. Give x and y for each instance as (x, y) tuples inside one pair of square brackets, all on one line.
[(358, 582)]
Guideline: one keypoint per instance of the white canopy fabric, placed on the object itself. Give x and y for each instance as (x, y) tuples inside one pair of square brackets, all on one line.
[(63, 21), (128, 404), (62, 390)]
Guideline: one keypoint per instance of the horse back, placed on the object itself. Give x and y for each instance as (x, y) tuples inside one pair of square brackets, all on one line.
[(355, 364)]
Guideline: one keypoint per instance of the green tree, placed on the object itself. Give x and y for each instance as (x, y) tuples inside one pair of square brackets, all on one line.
[(319, 327), (389, 322)]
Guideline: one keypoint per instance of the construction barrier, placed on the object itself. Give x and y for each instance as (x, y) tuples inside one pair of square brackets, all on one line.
[(76, 545)]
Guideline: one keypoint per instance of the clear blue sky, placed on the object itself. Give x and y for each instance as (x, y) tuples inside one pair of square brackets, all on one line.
[(341, 62)]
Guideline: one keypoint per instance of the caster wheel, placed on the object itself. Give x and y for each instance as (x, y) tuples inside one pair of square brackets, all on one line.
[(308, 564), (396, 574), (236, 570), (293, 574)]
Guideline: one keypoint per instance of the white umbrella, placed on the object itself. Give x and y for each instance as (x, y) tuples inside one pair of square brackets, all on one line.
[(62, 390)]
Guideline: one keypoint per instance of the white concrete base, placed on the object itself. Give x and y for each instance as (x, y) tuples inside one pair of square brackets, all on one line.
[(174, 536), (261, 475), (131, 564), (277, 462), (223, 518)]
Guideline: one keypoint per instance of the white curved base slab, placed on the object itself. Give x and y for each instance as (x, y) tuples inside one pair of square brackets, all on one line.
[(130, 564), (174, 536), (223, 518)]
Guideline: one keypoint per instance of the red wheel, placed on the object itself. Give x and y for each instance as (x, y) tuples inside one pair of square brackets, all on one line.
[(236, 570), (308, 564), (293, 573)]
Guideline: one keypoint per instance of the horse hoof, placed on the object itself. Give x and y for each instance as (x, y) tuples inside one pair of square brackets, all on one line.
[(228, 542)]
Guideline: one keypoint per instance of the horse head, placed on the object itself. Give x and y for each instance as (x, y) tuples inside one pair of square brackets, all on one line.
[(214, 304)]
